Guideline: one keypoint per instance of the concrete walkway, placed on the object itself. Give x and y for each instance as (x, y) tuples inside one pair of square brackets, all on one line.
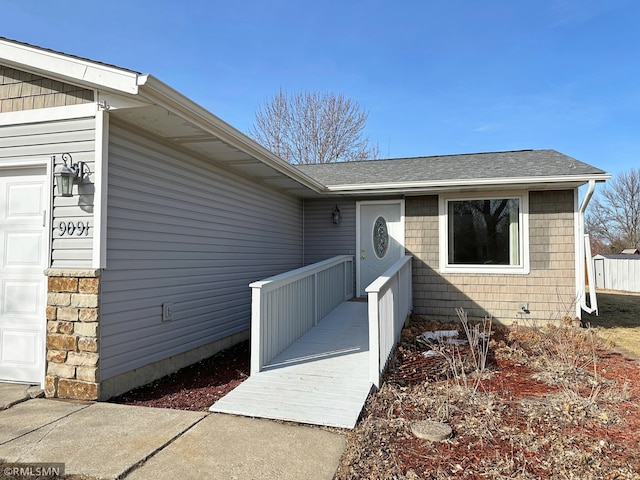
[(109, 441), (14, 393)]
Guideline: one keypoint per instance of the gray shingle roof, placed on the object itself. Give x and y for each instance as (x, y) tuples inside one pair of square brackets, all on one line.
[(520, 164)]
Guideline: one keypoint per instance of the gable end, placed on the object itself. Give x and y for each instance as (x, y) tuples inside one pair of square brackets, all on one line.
[(21, 90)]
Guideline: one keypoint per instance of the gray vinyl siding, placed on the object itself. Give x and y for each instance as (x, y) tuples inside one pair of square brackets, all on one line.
[(35, 141), (184, 231), (322, 238)]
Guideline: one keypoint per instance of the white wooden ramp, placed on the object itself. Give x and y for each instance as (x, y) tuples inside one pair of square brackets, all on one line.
[(321, 379)]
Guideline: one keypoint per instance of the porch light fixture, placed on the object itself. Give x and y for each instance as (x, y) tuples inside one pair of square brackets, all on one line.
[(66, 175), (336, 215)]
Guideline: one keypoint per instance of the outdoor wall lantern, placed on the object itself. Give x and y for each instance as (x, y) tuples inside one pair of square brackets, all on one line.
[(66, 175), (336, 215)]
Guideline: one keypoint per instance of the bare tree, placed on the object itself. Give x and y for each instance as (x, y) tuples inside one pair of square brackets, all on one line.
[(614, 214), (311, 127)]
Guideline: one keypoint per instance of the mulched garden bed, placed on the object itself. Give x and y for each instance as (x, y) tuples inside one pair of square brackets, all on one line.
[(197, 386), (551, 404)]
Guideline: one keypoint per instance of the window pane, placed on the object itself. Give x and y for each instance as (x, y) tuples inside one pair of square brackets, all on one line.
[(380, 237), (484, 232)]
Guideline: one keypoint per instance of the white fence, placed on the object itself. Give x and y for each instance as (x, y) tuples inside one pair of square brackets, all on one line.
[(618, 272), (390, 301), (285, 306)]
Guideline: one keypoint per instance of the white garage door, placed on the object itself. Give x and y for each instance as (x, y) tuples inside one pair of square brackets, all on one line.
[(22, 281)]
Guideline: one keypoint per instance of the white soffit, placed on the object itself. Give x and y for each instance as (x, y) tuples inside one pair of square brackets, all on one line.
[(176, 129), (160, 110)]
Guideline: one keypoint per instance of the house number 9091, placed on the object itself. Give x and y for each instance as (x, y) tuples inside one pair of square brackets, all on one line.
[(74, 228)]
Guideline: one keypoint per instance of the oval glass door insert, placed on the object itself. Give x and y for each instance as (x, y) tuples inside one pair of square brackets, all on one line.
[(380, 237)]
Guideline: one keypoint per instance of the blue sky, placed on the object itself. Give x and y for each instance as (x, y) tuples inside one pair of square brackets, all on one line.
[(437, 77)]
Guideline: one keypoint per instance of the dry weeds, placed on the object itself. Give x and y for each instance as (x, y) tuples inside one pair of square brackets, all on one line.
[(555, 404)]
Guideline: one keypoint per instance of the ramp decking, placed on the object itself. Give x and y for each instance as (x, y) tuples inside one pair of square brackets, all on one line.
[(320, 379)]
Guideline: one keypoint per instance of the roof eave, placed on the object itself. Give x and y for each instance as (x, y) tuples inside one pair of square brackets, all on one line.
[(475, 184), (156, 91), (67, 68), (97, 76)]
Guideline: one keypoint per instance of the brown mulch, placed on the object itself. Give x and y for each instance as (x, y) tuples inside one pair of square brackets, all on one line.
[(550, 405), (197, 386)]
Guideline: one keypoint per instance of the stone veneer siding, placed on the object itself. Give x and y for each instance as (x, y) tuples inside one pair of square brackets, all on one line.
[(73, 334), (549, 288)]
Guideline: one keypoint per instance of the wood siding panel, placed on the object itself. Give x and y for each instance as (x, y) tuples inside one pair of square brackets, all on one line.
[(38, 141), (24, 91), (184, 231), (549, 288)]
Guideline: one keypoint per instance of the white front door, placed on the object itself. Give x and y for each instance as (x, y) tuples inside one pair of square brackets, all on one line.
[(380, 239), (22, 280)]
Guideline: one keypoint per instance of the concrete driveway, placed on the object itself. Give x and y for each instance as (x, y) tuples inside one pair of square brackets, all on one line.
[(104, 440)]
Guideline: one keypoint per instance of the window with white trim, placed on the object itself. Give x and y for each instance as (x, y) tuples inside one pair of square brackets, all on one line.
[(484, 234)]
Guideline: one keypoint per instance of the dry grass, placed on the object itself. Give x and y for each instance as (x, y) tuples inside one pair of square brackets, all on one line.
[(555, 404), (618, 321)]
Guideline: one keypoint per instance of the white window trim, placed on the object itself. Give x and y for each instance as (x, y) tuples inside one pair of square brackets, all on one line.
[(523, 242)]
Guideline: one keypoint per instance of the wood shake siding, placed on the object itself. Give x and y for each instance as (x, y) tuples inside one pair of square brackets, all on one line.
[(549, 288), (185, 231), (24, 91)]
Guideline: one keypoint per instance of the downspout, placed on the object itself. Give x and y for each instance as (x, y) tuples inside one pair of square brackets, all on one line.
[(584, 249)]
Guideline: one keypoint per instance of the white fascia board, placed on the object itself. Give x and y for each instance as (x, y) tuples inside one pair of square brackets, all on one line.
[(66, 68), (114, 101), (420, 187), (159, 93)]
